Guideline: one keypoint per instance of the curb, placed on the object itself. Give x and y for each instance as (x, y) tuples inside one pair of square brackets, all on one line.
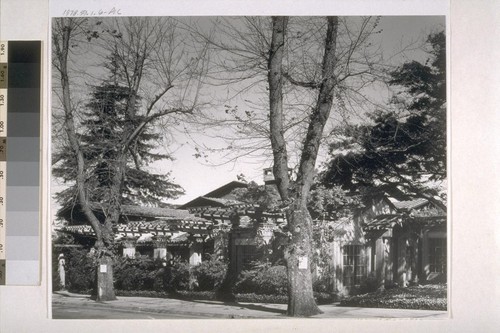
[(125, 307)]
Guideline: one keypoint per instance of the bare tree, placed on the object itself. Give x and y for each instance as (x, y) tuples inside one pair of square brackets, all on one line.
[(299, 250), (238, 73), (304, 67), (148, 58)]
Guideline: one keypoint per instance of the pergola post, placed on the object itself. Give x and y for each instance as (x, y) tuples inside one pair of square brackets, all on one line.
[(129, 247), (195, 252), (160, 249)]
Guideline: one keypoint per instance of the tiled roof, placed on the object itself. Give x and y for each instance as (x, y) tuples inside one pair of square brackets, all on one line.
[(226, 189), (127, 210), (410, 204), (199, 225), (224, 202), (430, 221), (181, 237), (212, 202), (78, 229), (154, 211), (382, 222), (217, 193), (157, 227), (223, 214)]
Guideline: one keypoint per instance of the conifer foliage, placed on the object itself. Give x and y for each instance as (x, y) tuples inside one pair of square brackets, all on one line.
[(101, 133), (401, 152)]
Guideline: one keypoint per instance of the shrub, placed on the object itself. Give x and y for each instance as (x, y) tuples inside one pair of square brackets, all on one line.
[(369, 285), (324, 298), (263, 279), (272, 280), (210, 274), (259, 298), (245, 282), (143, 293), (180, 276), (322, 284), (80, 268), (198, 295), (321, 298), (428, 297), (140, 273), (144, 273)]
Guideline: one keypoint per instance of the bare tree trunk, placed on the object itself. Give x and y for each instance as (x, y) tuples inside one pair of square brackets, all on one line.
[(62, 51), (104, 287), (130, 51), (298, 253), (298, 256), (275, 79), (104, 283)]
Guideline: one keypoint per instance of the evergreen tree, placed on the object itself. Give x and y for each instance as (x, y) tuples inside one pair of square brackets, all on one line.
[(102, 130), (105, 152), (402, 153)]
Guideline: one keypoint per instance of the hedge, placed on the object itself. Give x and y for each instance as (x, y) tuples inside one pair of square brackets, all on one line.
[(428, 297), (263, 279)]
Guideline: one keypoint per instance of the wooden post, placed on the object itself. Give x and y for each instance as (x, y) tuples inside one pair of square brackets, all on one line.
[(338, 285), (160, 250), (415, 261), (380, 263), (195, 252), (402, 270), (388, 260), (368, 257), (425, 256)]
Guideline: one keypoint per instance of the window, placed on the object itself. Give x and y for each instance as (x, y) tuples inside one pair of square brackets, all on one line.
[(354, 269), (437, 255)]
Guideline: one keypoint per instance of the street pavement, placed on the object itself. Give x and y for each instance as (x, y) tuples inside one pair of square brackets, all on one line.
[(67, 305)]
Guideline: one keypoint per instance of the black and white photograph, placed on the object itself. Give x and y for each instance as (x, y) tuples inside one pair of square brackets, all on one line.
[(249, 167)]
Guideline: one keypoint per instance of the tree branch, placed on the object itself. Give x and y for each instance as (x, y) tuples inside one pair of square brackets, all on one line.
[(320, 112), (62, 52), (275, 80), (312, 85), (139, 128), (157, 98)]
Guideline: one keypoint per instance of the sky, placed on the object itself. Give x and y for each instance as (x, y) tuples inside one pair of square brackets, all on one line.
[(198, 177)]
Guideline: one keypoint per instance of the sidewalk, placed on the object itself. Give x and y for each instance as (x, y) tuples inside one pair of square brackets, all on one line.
[(216, 309)]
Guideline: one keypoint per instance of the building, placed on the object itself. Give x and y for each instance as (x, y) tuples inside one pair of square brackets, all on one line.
[(241, 226), (388, 242), (161, 233), (401, 243)]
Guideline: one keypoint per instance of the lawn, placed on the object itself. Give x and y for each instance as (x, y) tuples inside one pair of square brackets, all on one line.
[(321, 298), (426, 297)]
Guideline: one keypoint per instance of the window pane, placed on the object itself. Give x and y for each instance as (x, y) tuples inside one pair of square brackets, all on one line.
[(437, 255), (354, 269)]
